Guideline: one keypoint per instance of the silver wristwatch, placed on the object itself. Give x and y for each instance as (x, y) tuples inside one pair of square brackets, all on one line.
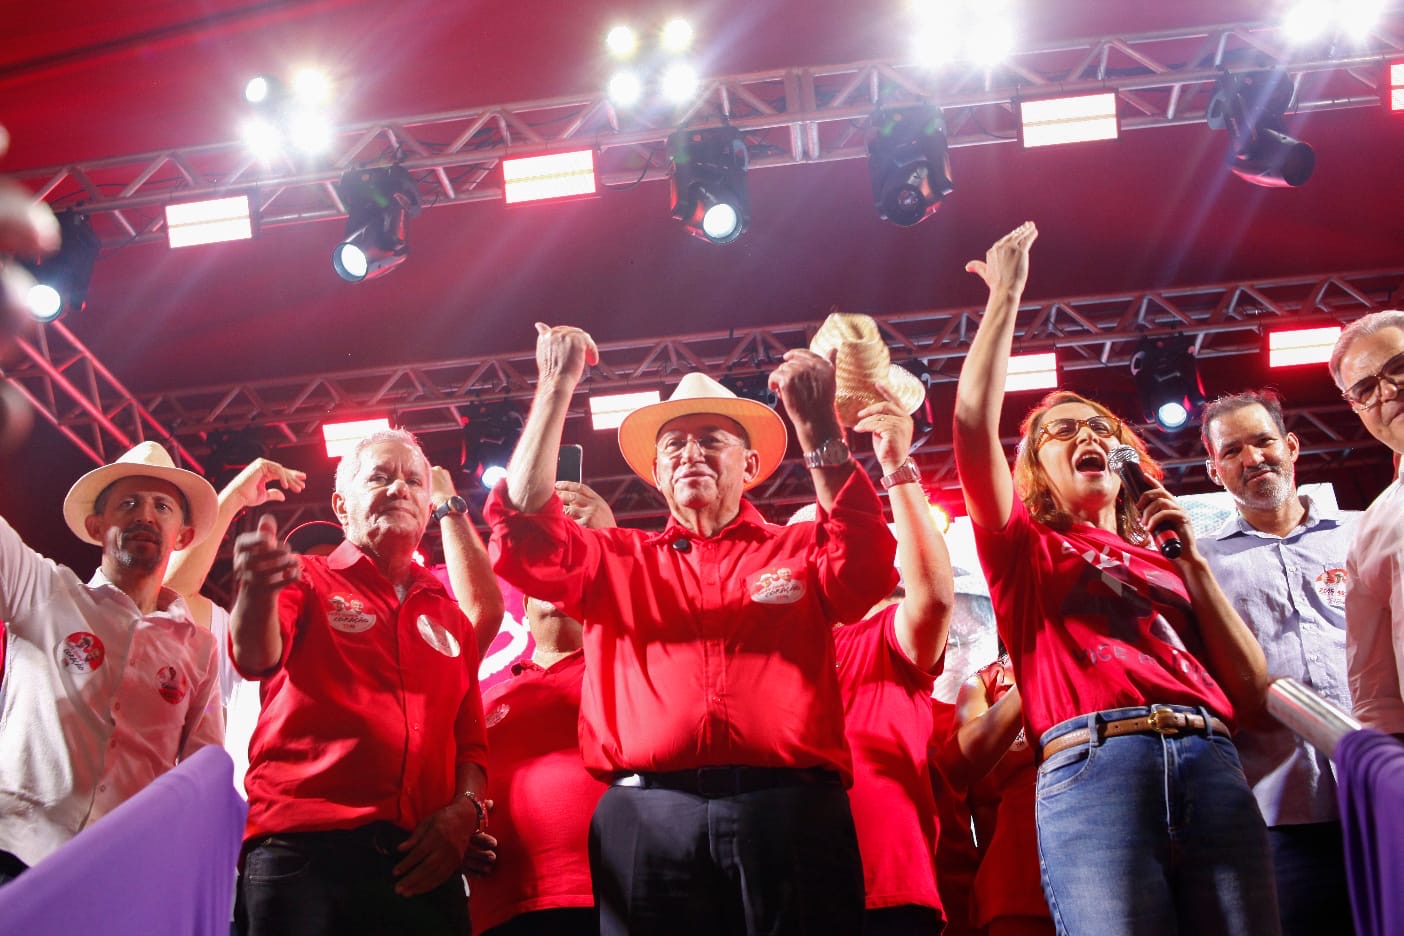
[(831, 454), (905, 473)]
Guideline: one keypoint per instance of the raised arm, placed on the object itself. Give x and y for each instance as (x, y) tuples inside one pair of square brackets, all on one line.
[(189, 567), (983, 733), (562, 353), (924, 614), (805, 384), (984, 472), (262, 568), (469, 570), (1233, 654)]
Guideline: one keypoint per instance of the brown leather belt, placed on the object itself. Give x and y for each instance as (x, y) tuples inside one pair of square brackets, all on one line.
[(1163, 721)]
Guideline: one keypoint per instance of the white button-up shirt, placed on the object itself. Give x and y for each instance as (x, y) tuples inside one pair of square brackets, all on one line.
[(97, 699), (1291, 592), (1375, 613)]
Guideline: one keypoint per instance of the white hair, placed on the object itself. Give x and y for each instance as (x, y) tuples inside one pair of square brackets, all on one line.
[(1361, 327), (350, 463)]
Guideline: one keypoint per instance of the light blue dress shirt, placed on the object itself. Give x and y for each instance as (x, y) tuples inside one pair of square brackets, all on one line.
[(1290, 591)]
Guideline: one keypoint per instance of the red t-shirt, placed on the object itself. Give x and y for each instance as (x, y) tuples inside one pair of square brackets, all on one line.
[(373, 705), (542, 796), (1092, 622), (1008, 882), (887, 718), (706, 651)]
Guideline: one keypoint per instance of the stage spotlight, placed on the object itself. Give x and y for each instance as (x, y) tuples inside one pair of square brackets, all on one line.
[(1250, 106), (676, 36), (709, 192), (678, 83), (257, 89), (378, 203), (908, 163), (1306, 20), (490, 434), (61, 279), (311, 134), (751, 387), (1167, 380), (262, 138), (311, 86), (622, 42), (625, 89)]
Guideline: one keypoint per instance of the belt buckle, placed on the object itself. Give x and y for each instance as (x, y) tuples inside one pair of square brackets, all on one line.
[(1166, 721)]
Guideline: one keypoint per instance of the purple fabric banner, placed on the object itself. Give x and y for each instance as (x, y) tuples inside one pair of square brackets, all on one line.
[(1371, 792)]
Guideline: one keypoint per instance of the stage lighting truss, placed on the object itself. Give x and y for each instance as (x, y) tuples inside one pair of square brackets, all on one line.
[(1250, 106), (709, 193), (1167, 380), (908, 163), (61, 279), (379, 203)]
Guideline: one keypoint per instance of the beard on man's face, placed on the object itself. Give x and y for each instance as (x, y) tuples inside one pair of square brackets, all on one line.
[(139, 555)]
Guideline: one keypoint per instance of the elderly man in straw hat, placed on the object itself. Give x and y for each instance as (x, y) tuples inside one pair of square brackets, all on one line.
[(709, 700), (107, 684)]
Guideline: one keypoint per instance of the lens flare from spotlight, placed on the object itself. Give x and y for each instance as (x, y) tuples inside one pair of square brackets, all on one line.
[(262, 139), (676, 36), (311, 134), (1358, 17), (45, 303), (492, 474), (1307, 20), (991, 42), (679, 83), (622, 42), (312, 86), (625, 89), (934, 46), (256, 90)]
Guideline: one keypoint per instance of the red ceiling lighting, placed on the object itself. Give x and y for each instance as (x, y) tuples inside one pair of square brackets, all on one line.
[(552, 176), (341, 437), (1301, 346)]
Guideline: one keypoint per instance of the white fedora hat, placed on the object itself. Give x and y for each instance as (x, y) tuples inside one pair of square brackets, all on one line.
[(862, 360), (147, 460), (698, 393)]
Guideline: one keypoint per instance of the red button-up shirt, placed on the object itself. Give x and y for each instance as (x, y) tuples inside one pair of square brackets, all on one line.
[(706, 651), (373, 706)]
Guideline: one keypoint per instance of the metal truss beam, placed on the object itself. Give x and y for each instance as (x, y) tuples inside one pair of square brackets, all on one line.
[(789, 116), (72, 389), (1087, 332)]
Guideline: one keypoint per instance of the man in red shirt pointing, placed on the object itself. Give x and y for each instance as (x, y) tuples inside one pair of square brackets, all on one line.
[(709, 700)]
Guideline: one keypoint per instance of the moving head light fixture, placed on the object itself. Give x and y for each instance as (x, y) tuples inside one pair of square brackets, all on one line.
[(61, 279), (1167, 380), (909, 163), (378, 203), (1250, 106), (708, 185)]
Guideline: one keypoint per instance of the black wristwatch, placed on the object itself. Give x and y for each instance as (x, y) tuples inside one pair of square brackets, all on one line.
[(454, 505)]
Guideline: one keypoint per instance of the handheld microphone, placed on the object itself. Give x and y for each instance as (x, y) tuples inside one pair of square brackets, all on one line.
[(1125, 461)]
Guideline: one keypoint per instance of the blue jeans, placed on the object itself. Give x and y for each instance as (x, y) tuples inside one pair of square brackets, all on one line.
[(1149, 834)]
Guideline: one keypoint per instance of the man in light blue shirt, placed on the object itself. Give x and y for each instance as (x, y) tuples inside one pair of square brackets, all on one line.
[(1281, 560)]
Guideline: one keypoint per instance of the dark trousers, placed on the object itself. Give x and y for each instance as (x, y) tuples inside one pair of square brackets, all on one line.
[(906, 920), (562, 921), (775, 861), (10, 867), (333, 883), (1312, 894)]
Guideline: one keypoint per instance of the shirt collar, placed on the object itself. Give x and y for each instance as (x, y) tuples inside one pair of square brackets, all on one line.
[(747, 519), (1315, 514), (168, 600), (349, 554)]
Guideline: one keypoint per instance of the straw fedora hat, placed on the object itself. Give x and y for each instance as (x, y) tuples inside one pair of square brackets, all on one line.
[(148, 460), (862, 360), (698, 393)]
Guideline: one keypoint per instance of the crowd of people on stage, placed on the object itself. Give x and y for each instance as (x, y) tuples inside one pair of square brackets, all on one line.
[(728, 725)]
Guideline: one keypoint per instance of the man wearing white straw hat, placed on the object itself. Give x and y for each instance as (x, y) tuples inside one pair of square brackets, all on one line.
[(107, 684), (709, 700)]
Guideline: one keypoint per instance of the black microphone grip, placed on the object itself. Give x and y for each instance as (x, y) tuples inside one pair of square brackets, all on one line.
[(1125, 461)]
